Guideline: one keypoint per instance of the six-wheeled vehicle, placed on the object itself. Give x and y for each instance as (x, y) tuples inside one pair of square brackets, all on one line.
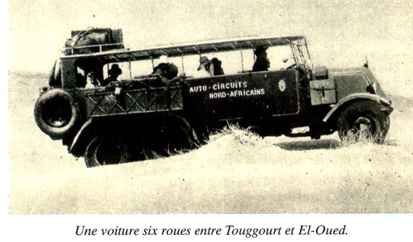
[(142, 114)]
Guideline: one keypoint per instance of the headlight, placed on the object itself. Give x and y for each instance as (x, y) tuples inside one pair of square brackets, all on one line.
[(371, 88)]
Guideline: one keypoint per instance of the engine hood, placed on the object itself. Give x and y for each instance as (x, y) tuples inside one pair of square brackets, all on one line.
[(355, 80)]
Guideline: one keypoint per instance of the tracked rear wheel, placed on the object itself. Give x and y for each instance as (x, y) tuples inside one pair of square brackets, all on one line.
[(180, 136), (173, 135), (105, 151)]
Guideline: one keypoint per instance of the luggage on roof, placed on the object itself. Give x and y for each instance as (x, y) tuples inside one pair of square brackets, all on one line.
[(93, 40)]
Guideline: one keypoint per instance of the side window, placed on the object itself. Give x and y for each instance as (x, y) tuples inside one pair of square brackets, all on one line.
[(230, 62), (234, 62), (280, 57), (141, 68), (304, 54), (191, 64), (137, 69), (248, 57)]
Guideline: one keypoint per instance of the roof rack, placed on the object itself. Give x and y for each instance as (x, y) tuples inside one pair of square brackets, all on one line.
[(188, 49), (87, 49)]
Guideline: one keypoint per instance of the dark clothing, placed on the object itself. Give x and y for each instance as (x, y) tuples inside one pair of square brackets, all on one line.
[(113, 72), (108, 80), (167, 70), (217, 67), (261, 64)]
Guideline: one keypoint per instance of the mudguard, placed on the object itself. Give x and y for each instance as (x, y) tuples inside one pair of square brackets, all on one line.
[(354, 97), (85, 132)]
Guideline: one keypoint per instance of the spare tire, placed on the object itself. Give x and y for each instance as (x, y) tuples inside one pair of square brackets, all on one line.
[(56, 112)]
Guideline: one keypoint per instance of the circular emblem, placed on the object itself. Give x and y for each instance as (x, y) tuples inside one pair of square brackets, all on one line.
[(281, 85)]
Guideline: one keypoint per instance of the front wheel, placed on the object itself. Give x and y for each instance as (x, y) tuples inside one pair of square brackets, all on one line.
[(105, 151), (363, 120)]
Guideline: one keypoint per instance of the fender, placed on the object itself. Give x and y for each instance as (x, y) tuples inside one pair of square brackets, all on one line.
[(357, 96), (86, 130)]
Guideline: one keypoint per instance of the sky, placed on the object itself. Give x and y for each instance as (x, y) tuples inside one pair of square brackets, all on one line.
[(340, 33)]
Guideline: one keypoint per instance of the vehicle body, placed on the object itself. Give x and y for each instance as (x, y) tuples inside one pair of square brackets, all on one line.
[(138, 116)]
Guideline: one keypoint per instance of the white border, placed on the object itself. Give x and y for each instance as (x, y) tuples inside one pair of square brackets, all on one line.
[(366, 227), (362, 227)]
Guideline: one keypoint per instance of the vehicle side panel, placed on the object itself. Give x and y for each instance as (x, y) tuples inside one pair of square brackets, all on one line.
[(247, 95), (101, 103)]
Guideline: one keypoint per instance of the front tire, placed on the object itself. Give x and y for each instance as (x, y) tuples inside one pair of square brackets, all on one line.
[(363, 120)]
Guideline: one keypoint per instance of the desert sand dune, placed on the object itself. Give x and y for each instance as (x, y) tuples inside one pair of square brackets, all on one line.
[(236, 172)]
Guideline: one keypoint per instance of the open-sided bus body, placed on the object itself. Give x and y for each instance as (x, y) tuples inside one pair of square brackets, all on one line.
[(137, 116)]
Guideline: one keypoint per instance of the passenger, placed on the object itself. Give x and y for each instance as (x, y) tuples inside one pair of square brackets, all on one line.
[(114, 72), (205, 68), (288, 63), (217, 66), (261, 62), (166, 70), (92, 80)]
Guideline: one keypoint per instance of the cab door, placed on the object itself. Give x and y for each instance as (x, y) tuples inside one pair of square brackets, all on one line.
[(282, 92)]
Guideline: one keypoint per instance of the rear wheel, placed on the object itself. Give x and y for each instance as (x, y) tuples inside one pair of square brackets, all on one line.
[(177, 135), (363, 120), (187, 138), (171, 136), (105, 151)]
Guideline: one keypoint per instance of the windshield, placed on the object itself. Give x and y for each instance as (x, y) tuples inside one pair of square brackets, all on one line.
[(301, 53)]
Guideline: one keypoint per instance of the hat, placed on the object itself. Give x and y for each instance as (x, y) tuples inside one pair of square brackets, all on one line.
[(260, 49), (203, 60), (115, 70), (216, 61)]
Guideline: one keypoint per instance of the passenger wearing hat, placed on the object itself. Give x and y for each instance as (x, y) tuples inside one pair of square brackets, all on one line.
[(216, 66), (114, 72), (205, 68), (261, 62), (165, 70)]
